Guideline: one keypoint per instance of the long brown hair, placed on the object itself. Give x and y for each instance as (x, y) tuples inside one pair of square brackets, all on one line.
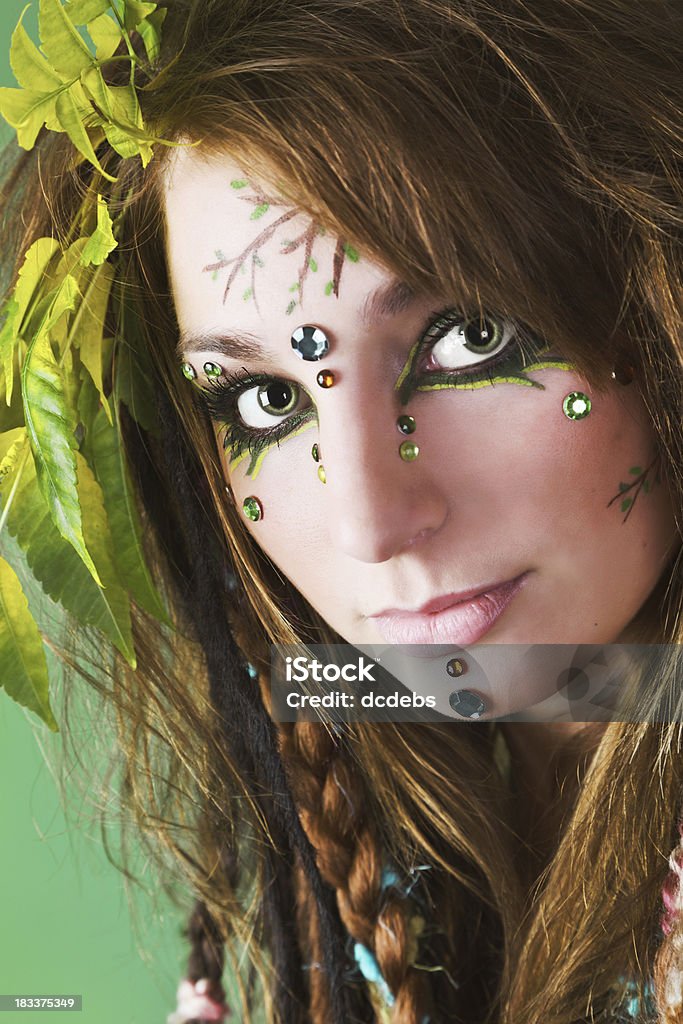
[(524, 157)]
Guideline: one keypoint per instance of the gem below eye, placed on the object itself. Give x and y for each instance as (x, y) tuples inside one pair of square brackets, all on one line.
[(278, 398)]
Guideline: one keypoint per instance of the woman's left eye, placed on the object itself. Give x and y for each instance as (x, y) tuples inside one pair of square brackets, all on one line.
[(271, 402), (455, 341)]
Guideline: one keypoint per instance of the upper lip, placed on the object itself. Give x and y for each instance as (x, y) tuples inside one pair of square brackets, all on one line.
[(439, 604)]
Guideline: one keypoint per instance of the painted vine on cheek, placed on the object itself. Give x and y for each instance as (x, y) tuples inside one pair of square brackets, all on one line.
[(511, 368), (643, 481), (250, 258)]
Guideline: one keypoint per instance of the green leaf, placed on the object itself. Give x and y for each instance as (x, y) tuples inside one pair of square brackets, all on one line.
[(70, 108), (291, 307), (646, 486), (81, 12), (122, 117), (89, 325), (239, 183), (109, 461), (30, 278), (248, 292), (329, 287), (623, 487), (636, 470), (351, 253), (30, 68), (23, 669), (135, 12), (27, 110), (61, 42), (50, 424), (150, 30), (313, 264), (58, 568), (12, 443), (626, 504), (259, 211), (102, 240), (106, 36)]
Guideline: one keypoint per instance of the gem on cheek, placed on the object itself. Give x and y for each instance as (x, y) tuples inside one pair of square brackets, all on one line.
[(456, 667), (409, 451), (310, 343), (325, 379), (213, 370), (406, 424), (576, 405), (188, 371), (322, 475), (467, 703), (252, 508), (315, 453)]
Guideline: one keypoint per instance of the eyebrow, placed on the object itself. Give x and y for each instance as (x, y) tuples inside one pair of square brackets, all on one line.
[(389, 300)]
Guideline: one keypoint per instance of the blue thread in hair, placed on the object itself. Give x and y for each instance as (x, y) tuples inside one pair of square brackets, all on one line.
[(369, 968)]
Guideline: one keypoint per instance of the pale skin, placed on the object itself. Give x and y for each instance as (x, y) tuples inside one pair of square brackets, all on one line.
[(505, 484)]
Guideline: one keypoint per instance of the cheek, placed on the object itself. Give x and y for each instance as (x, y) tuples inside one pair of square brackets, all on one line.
[(287, 487)]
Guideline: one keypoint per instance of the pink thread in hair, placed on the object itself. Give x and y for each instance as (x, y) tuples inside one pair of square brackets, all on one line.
[(672, 890), (195, 1004)]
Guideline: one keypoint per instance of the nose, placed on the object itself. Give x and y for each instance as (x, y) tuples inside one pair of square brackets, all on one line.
[(378, 505)]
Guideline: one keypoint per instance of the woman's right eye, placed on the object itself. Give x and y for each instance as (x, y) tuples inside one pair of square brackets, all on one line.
[(270, 403)]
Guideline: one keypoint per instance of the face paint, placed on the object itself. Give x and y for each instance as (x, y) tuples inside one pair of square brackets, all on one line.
[(461, 352), (250, 259), (643, 481), (255, 413)]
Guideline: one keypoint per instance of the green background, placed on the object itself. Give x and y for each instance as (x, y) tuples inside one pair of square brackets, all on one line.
[(65, 925)]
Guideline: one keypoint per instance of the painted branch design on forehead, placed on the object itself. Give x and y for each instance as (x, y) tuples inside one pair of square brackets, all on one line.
[(250, 259)]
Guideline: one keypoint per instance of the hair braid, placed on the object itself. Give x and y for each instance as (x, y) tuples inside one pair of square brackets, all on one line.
[(350, 857), (207, 956), (251, 736)]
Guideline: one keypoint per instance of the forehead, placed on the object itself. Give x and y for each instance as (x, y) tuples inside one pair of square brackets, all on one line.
[(240, 255)]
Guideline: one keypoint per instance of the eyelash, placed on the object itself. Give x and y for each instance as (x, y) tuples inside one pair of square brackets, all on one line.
[(221, 394)]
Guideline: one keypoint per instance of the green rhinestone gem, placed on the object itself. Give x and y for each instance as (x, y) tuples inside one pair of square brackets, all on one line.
[(406, 424), (189, 371), (408, 451), (322, 475), (576, 405), (315, 452), (213, 370), (252, 509)]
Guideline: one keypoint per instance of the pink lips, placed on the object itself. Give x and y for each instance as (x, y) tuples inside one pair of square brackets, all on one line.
[(461, 619)]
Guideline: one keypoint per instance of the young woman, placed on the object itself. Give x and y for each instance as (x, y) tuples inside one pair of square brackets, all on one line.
[(397, 361)]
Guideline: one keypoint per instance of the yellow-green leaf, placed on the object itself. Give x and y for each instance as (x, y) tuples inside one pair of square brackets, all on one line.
[(102, 240), (23, 669), (150, 30), (12, 444), (106, 36), (88, 327), (29, 279), (109, 460), (98, 536), (135, 12), (81, 12), (70, 112), (57, 567), (30, 68), (27, 110), (60, 41), (50, 424)]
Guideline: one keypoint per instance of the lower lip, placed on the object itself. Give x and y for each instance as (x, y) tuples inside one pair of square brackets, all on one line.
[(463, 624)]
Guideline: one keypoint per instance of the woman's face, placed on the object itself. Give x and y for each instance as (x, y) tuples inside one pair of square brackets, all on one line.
[(514, 524)]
